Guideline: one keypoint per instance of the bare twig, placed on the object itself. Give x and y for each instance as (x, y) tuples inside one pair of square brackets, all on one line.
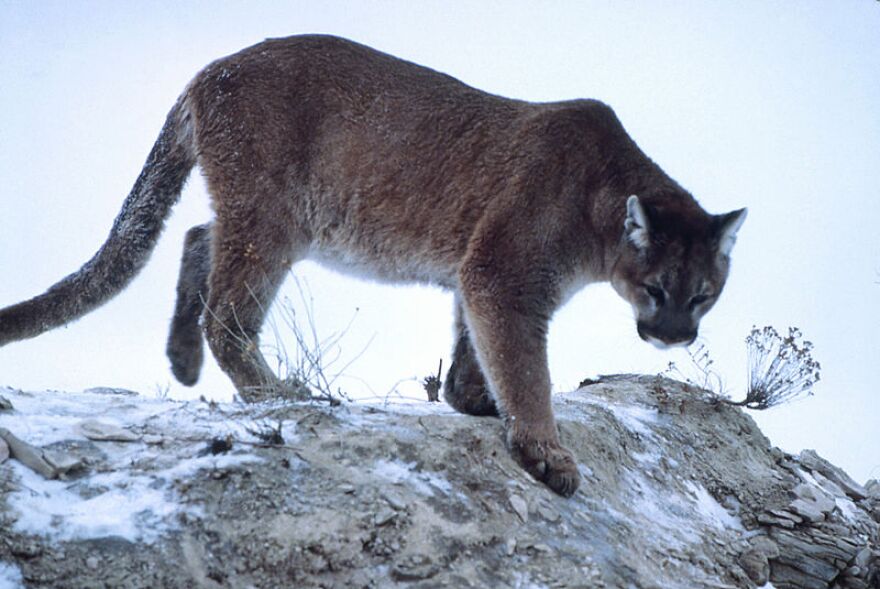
[(303, 375), (268, 434), (315, 356), (699, 372), (432, 385)]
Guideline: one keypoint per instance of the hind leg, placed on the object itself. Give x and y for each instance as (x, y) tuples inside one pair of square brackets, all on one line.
[(184, 347), (249, 263), (465, 387)]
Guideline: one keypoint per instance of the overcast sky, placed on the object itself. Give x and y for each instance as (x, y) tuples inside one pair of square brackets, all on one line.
[(770, 105)]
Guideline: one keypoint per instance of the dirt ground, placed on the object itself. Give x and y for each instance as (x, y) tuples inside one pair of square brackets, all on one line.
[(677, 491)]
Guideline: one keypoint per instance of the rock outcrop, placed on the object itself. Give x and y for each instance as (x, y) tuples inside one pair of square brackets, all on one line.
[(679, 491)]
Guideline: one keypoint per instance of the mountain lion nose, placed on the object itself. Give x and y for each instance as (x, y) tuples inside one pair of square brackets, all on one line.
[(666, 338)]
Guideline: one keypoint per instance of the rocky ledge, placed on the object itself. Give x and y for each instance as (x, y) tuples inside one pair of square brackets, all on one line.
[(101, 489)]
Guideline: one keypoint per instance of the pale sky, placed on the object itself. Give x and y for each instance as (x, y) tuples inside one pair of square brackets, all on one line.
[(770, 105)]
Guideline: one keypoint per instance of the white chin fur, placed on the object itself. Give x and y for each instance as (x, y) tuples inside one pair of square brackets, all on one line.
[(658, 343), (661, 345)]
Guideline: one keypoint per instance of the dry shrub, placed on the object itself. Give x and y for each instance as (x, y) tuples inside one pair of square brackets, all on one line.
[(781, 368)]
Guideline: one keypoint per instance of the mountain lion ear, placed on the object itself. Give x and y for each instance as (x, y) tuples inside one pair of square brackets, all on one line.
[(728, 225), (636, 224)]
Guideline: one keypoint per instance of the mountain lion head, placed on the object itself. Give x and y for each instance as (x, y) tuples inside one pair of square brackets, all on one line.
[(673, 267)]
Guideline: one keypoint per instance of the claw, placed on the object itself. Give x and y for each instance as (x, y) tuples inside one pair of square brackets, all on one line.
[(549, 463)]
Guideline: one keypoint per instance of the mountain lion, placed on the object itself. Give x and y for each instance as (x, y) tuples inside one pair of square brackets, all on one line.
[(317, 147)]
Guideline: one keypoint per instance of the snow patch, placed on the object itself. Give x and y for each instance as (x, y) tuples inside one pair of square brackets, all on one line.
[(678, 516), (635, 418), (406, 406), (524, 581), (404, 473), (808, 478), (10, 576), (370, 415), (847, 508), (713, 511), (54, 508), (137, 506), (187, 468), (665, 512), (365, 413), (649, 458)]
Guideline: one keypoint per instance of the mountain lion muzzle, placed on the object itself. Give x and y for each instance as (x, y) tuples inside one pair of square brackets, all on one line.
[(317, 147)]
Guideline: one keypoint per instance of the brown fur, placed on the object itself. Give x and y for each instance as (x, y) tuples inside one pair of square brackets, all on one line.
[(318, 147)]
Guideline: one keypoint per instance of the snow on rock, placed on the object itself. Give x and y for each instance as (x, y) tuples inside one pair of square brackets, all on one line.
[(10, 576), (129, 491), (678, 492), (399, 473)]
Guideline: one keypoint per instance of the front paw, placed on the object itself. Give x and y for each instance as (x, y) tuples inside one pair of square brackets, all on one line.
[(546, 460)]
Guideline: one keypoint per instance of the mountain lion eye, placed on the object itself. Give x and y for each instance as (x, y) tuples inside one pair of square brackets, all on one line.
[(697, 301), (656, 293)]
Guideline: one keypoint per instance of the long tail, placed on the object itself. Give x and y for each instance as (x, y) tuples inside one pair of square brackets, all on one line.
[(129, 245)]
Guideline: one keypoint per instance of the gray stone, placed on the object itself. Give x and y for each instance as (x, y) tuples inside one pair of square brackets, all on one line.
[(5, 404), (784, 576), (394, 500), (770, 520), (520, 507), (813, 461), (813, 544), (863, 558), (756, 565), (781, 513), (765, 544), (62, 462), (384, 517), (816, 496), (105, 432), (808, 510), (417, 567), (811, 560), (510, 546), (830, 487), (548, 513), (111, 391), (26, 548), (30, 456)]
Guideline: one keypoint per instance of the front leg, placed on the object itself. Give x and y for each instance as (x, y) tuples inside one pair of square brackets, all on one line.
[(507, 314)]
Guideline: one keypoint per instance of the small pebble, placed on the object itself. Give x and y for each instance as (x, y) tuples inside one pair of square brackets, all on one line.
[(520, 507), (395, 501), (384, 517), (510, 546)]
